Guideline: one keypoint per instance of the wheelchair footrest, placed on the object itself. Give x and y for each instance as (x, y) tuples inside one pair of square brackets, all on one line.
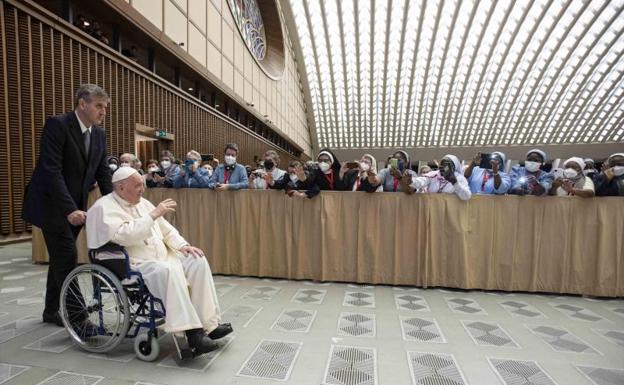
[(184, 351)]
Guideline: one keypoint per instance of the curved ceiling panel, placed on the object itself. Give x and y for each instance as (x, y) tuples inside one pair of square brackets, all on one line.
[(400, 73)]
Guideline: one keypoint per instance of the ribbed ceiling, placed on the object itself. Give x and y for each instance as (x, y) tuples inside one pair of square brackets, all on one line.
[(397, 73)]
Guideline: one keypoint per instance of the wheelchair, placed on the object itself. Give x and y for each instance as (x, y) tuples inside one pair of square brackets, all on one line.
[(104, 302)]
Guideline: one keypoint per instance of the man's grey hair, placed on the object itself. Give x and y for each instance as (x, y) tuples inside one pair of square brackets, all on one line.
[(133, 159), (88, 92)]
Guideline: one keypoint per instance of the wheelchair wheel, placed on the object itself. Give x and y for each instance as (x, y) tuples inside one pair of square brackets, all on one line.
[(146, 347), (94, 308)]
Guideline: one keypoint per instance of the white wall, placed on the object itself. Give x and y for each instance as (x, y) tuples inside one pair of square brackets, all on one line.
[(207, 29)]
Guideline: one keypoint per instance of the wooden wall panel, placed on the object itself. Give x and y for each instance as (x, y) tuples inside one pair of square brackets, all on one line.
[(41, 65)]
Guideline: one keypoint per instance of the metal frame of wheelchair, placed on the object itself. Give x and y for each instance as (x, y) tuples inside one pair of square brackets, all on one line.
[(129, 307)]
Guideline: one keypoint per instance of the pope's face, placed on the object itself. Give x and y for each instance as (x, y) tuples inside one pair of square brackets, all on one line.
[(132, 189)]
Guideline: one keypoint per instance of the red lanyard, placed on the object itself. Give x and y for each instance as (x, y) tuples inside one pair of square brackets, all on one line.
[(330, 179), (395, 184), (357, 184), (485, 179), (226, 176)]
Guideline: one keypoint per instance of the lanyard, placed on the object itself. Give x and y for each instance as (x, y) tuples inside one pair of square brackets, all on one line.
[(330, 179), (395, 184), (486, 176), (226, 176)]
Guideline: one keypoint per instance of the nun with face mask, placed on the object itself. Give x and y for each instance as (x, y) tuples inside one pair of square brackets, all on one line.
[(610, 182), (573, 181), (491, 180), (399, 168), (362, 178), (449, 178), (328, 175), (530, 179)]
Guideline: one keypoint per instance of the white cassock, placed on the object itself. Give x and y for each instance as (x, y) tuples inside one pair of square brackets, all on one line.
[(153, 247)]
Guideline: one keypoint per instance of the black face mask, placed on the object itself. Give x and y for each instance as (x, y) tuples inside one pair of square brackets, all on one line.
[(268, 164), (447, 168)]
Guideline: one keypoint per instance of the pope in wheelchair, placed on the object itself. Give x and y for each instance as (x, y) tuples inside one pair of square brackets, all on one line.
[(176, 275)]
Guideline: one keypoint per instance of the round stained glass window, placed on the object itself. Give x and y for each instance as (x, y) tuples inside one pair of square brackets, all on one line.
[(249, 20)]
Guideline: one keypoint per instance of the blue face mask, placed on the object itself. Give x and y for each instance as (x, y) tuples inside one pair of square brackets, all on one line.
[(401, 165)]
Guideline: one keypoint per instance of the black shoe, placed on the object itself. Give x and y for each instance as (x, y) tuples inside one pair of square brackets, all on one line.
[(54, 318), (221, 331), (199, 342)]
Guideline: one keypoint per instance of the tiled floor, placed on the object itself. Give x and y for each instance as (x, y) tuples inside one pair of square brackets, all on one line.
[(297, 332)]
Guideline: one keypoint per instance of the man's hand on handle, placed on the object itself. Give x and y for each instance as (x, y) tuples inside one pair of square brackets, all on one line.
[(77, 218)]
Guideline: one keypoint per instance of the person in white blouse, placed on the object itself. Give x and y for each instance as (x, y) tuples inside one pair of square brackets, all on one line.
[(448, 179)]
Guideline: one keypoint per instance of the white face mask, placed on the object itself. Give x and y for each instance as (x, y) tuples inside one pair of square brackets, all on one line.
[(294, 178), (124, 164), (570, 173), (365, 166), (113, 166), (532, 166), (324, 166), (153, 169), (618, 170), (230, 160), (165, 164), (209, 171)]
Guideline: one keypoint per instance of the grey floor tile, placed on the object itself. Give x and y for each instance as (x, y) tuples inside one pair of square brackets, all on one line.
[(434, 369), (615, 336), (273, 360), (560, 339), (9, 371), (21, 326), (577, 313), (294, 320), (487, 333), (357, 324), (522, 309), (351, 365), (70, 378), (461, 305), (224, 288), (265, 293), (515, 372), (309, 296), (240, 315), (56, 342), (359, 299), (411, 302), (602, 376), (421, 329)]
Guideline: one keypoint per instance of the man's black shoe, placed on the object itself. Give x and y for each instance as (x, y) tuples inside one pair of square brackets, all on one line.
[(199, 342), (54, 318), (221, 331)]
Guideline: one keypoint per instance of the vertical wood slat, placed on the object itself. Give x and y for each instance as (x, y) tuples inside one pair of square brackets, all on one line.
[(13, 72), (6, 206)]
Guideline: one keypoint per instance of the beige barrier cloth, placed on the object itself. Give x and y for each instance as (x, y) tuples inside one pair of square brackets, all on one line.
[(558, 245)]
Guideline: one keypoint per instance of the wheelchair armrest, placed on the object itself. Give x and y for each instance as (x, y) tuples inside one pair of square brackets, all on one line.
[(111, 257)]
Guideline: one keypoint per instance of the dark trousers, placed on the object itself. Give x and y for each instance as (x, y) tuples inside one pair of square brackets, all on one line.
[(61, 244)]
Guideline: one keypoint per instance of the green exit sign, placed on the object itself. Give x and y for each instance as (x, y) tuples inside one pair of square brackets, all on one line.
[(160, 133)]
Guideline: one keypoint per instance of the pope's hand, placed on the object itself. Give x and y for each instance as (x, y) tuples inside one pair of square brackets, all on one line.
[(189, 250), (164, 207)]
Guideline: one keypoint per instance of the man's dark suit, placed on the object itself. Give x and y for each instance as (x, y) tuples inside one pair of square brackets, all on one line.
[(59, 186)]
